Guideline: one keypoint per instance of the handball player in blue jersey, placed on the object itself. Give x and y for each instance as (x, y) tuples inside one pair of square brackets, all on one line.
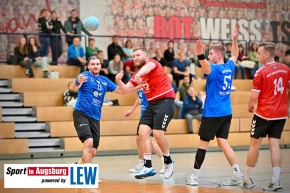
[(217, 113), (143, 102), (92, 88)]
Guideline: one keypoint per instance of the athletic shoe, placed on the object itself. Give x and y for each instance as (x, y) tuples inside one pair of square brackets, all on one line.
[(146, 172), (75, 162), (137, 169), (273, 186), (235, 180), (168, 170), (248, 185), (192, 181), (162, 170)]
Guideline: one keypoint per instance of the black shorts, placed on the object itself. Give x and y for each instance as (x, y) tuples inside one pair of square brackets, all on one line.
[(87, 127), (158, 114), (261, 127), (138, 130), (214, 126)]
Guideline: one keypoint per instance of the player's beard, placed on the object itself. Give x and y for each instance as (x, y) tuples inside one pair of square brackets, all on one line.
[(94, 72), (141, 64)]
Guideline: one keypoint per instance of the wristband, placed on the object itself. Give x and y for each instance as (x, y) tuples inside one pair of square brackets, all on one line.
[(201, 57), (77, 82)]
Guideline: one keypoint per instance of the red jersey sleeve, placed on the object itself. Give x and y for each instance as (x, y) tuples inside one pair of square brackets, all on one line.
[(258, 81), (132, 80)]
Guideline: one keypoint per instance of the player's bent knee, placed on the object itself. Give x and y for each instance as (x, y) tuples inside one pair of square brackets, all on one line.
[(88, 143), (158, 134)]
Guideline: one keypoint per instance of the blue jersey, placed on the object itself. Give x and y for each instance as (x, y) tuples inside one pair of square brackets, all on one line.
[(218, 89), (92, 93), (143, 101)]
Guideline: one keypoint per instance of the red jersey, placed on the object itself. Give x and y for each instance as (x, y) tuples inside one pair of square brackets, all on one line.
[(272, 82), (155, 84)]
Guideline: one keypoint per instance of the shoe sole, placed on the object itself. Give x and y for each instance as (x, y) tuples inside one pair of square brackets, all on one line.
[(134, 172), (147, 175), (273, 190)]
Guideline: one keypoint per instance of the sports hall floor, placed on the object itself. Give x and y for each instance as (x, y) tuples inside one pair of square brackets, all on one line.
[(115, 176)]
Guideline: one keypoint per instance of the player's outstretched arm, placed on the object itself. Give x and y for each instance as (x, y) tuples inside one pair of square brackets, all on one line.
[(235, 49), (124, 88), (146, 69), (136, 104), (200, 54)]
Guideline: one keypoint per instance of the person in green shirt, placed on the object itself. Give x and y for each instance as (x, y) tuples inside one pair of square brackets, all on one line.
[(91, 50), (182, 94), (253, 53)]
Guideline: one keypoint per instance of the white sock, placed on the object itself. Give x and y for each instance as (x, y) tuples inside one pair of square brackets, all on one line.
[(141, 162), (167, 154), (195, 173), (276, 174), (248, 173), (236, 170), (162, 159)]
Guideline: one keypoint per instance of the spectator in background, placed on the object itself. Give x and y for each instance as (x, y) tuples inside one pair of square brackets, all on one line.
[(129, 70), (206, 53), (70, 96), (74, 26), (239, 65), (169, 54), (34, 53), (228, 53), (55, 41), (115, 66), (128, 51), (182, 94), (253, 57), (192, 108), (159, 57), (287, 58), (114, 49), (180, 68), (76, 54), (170, 78), (44, 32), (104, 69), (91, 50), (21, 53)]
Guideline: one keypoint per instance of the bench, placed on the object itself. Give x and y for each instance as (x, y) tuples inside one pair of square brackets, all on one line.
[(40, 84), (11, 71), (13, 146), (7, 130), (113, 143), (63, 70)]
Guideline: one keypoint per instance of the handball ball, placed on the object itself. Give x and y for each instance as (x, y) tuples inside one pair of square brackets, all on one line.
[(92, 23)]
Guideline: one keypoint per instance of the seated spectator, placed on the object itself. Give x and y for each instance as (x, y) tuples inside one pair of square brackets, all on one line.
[(159, 57), (253, 57), (169, 54), (192, 64), (228, 53), (128, 51), (91, 50), (34, 53), (70, 96), (192, 108), (170, 78), (76, 55), (182, 94), (202, 96), (21, 53), (241, 58), (115, 66), (129, 70), (104, 69), (180, 68)]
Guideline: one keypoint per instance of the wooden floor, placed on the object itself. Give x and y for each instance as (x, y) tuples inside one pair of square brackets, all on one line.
[(115, 176)]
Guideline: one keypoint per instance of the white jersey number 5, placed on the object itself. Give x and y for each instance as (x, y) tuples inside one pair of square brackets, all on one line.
[(278, 86), (227, 82)]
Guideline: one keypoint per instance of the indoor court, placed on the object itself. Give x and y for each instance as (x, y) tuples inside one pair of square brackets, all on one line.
[(115, 176)]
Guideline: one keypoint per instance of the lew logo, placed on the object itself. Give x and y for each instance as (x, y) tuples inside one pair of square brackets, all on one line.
[(253, 127), (164, 121)]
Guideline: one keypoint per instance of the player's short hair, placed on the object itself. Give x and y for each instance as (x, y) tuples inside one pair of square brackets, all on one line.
[(218, 47), (144, 50), (92, 58), (268, 47)]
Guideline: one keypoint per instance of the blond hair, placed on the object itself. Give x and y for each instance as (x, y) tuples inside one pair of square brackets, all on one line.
[(218, 47)]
